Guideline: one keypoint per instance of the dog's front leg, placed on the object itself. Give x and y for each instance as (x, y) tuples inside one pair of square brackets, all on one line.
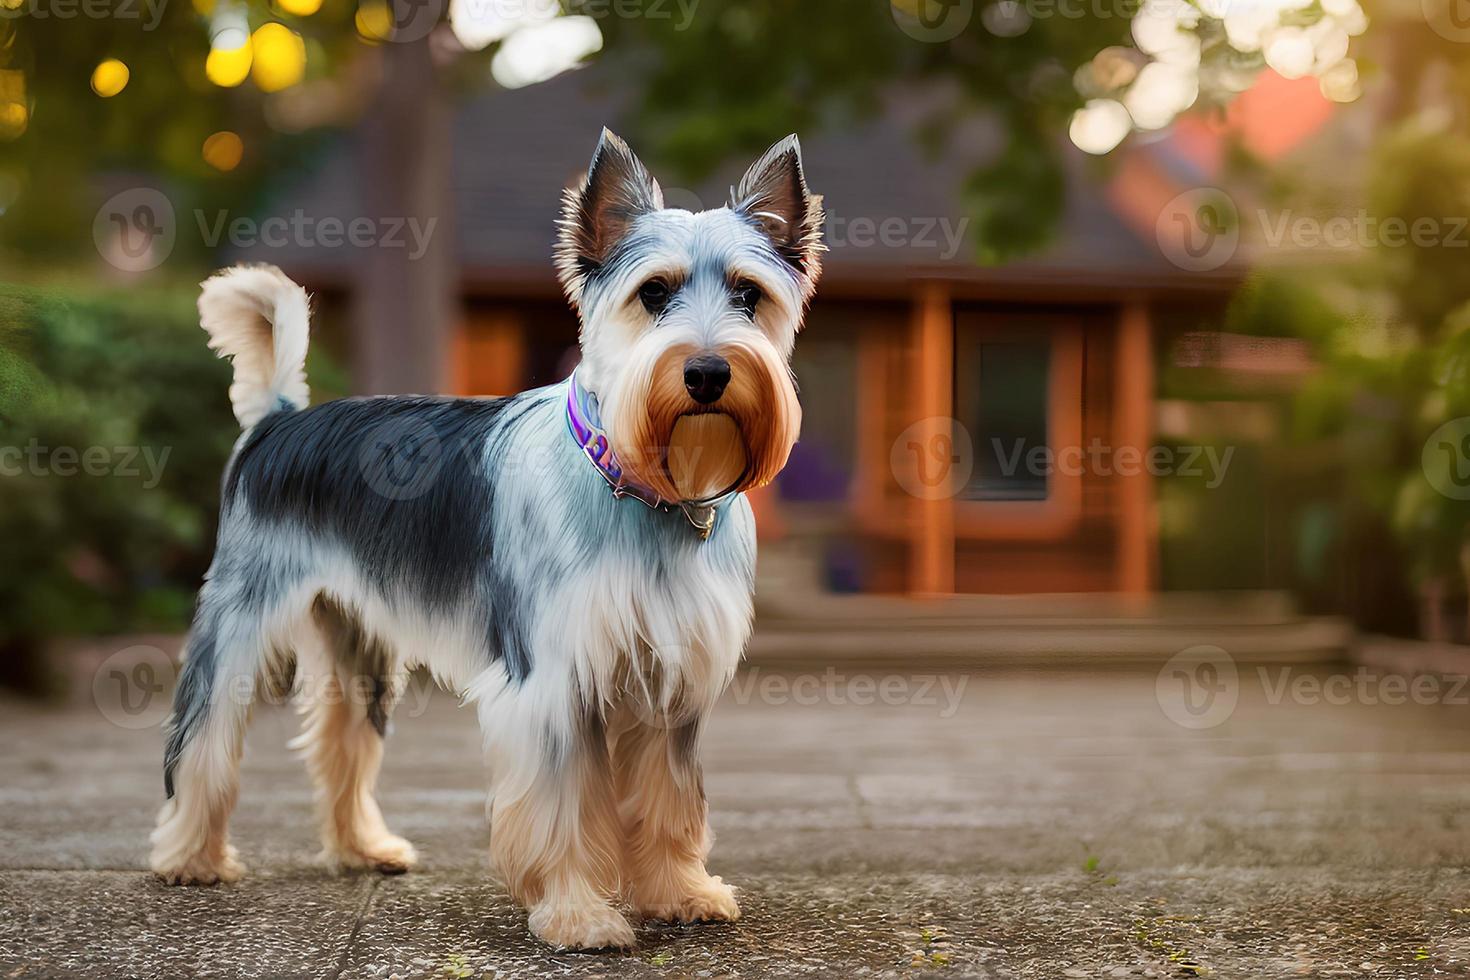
[(554, 838), (665, 823)]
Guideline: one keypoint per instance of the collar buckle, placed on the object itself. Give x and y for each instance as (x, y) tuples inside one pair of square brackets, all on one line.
[(704, 522)]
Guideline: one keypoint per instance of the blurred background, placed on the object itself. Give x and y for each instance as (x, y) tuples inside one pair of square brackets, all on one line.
[(1143, 324)]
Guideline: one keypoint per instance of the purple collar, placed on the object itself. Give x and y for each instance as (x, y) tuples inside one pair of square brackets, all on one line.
[(584, 421)]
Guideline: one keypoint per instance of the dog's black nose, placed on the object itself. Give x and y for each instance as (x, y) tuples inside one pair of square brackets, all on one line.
[(706, 376)]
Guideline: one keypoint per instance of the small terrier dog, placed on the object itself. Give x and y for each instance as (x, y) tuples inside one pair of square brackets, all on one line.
[(593, 632)]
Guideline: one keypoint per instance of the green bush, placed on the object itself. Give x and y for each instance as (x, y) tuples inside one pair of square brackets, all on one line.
[(115, 426)]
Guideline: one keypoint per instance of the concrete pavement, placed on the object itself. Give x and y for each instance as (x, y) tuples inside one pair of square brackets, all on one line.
[(999, 824)]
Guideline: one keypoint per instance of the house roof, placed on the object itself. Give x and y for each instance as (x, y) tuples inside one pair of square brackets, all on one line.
[(894, 214)]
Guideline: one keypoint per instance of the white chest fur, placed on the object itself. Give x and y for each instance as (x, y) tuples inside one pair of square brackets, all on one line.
[(665, 632)]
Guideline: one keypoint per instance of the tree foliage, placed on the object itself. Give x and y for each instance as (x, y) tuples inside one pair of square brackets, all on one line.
[(715, 79), (1390, 331)]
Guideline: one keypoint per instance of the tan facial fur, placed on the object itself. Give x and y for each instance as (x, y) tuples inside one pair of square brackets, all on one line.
[(662, 447)]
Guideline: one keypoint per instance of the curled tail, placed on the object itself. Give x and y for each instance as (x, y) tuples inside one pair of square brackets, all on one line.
[(259, 319)]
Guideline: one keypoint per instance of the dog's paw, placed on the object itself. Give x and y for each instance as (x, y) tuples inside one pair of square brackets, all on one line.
[(389, 855), (711, 901), (203, 870), (582, 926)]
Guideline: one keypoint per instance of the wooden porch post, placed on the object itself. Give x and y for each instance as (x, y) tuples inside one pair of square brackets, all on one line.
[(1133, 385), (870, 422), (932, 526)]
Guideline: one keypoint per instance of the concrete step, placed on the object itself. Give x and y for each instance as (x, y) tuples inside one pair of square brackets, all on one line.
[(1224, 608), (1042, 629)]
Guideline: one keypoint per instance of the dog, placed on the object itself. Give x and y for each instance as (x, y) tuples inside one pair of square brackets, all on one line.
[(577, 561)]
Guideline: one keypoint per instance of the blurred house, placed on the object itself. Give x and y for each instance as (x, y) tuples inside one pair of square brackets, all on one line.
[(1056, 353)]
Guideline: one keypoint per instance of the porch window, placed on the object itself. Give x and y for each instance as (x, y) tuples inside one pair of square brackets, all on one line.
[(1003, 398)]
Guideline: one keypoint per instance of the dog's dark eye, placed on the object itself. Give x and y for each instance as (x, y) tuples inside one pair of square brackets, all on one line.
[(746, 295), (654, 295)]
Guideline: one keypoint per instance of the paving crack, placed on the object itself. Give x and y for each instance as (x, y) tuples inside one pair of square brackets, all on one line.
[(362, 913)]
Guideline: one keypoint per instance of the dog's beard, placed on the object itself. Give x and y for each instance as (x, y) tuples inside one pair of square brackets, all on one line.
[(706, 455), (686, 451)]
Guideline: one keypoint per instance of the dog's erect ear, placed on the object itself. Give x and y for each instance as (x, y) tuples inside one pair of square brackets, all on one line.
[(773, 194), (598, 213)]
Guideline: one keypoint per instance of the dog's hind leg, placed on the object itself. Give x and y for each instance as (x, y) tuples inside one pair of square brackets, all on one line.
[(661, 802), (353, 684), (227, 655)]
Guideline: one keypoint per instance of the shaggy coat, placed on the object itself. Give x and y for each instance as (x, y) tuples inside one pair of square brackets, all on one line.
[(592, 632)]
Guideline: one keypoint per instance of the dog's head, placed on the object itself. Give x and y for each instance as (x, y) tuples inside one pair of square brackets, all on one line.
[(688, 320)]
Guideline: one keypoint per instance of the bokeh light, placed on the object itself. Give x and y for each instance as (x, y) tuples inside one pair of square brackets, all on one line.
[(1160, 93), (1099, 126), (1246, 23), (1289, 52), (223, 151), (1329, 44), (299, 8), (1113, 68), (1166, 31), (478, 24), (1216, 47), (110, 77), (228, 63), (229, 29), (14, 114), (278, 57), (374, 20), (535, 53), (1007, 18), (14, 117), (1340, 82), (228, 68)]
